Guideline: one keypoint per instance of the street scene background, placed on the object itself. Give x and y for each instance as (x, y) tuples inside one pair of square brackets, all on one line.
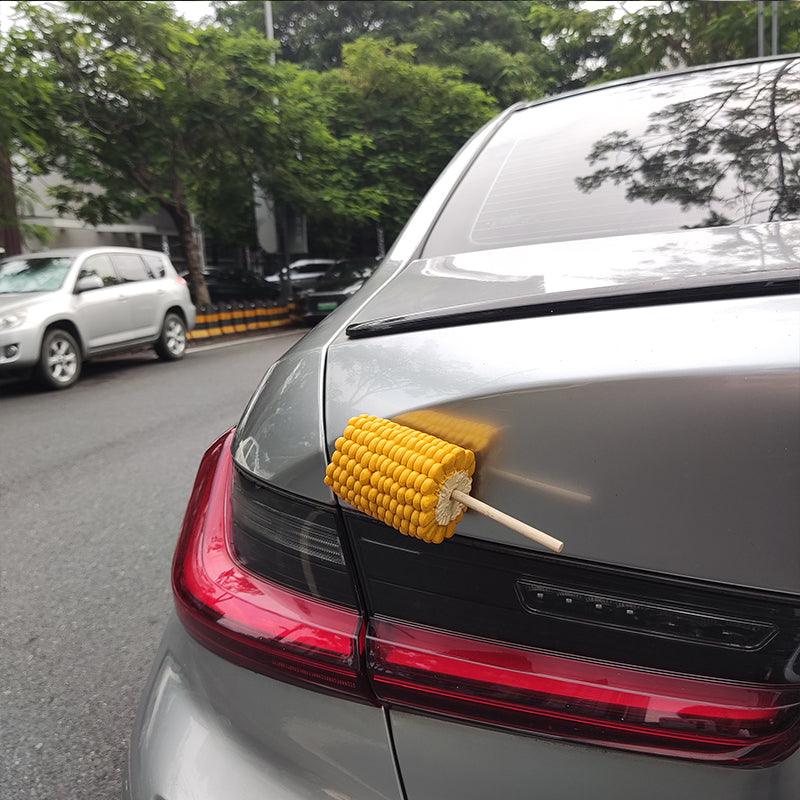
[(260, 146)]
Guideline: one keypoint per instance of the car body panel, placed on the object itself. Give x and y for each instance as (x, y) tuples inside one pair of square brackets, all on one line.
[(214, 730), (439, 759), (586, 269), (288, 451), (103, 316), (145, 303), (631, 410)]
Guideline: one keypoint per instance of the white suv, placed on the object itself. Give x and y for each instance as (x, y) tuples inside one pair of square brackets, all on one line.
[(59, 307)]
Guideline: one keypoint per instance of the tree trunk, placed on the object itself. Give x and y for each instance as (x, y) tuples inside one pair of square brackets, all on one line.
[(10, 237), (182, 218)]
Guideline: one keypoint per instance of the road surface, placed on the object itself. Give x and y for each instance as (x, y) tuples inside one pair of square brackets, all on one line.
[(93, 483)]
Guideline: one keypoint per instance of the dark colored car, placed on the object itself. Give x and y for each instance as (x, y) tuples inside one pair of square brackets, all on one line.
[(233, 285), (338, 284)]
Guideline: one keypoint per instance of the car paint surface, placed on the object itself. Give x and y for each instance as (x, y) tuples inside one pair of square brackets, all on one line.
[(632, 410), (441, 759), (211, 729), (526, 275)]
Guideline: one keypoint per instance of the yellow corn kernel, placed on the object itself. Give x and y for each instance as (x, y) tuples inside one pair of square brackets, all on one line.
[(395, 474)]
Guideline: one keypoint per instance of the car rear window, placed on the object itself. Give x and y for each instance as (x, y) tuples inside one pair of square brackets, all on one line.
[(712, 148)]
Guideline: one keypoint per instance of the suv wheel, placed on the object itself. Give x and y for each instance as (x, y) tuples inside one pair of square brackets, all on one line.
[(171, 345), (60, 360)]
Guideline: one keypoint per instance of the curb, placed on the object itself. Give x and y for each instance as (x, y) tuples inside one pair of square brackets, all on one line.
[(225, 319)]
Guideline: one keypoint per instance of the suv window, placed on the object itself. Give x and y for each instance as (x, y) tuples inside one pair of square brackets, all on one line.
[(101, 266), (155, 266), (130, 267), (712, 148)]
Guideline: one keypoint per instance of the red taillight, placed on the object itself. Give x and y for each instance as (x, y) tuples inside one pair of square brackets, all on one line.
[(294, 636), (243, 617), (180, 280), (581, 700)]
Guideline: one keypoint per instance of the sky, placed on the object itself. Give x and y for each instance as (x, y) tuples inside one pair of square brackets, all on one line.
[(193, 10)]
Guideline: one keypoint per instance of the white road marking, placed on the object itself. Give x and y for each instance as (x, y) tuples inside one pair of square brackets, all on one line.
[(219, 345)]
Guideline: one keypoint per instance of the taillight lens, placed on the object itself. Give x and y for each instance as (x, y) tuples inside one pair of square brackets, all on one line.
[(256, 571), (581, 700), (245, 618)]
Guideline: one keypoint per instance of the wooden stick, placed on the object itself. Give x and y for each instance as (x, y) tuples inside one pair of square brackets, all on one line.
[(544, 539)]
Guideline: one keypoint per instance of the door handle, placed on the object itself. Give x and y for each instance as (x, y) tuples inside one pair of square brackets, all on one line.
[(122, 297), (159, 291)]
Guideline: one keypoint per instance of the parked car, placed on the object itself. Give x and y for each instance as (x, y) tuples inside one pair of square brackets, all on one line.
[(339, 283), (304, 272), (599, 295), (60, 307), (231, 285)]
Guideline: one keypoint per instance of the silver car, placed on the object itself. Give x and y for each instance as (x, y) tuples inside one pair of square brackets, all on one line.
[(599, 296), (60, 307)]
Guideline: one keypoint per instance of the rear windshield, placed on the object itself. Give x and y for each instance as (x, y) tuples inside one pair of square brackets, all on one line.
[(713, 148)]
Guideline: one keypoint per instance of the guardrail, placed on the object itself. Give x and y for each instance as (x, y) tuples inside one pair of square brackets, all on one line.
[(224, 319)]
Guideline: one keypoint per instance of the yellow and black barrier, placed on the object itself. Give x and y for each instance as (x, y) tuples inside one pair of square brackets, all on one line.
[(225, 319)]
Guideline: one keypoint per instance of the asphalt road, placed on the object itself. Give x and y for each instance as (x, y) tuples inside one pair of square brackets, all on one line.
[(93, 483)]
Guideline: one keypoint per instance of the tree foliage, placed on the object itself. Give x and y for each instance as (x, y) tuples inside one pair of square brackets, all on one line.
[(677, 33), (413, 116), (138, 109), (26, 88), (153, 113), (514, 49)]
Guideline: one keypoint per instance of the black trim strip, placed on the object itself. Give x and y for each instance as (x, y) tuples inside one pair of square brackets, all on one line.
[(681, 625), (568, 304)]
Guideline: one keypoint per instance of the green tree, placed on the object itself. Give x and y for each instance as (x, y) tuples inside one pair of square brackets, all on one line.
[(129, 135), (413, 117), (680, 33), (514, 49), (151, 112)]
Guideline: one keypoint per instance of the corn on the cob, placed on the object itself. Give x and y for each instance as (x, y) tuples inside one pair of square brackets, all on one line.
[(401, 476)]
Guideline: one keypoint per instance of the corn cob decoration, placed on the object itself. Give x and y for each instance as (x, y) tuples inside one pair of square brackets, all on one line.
[(411, 481)]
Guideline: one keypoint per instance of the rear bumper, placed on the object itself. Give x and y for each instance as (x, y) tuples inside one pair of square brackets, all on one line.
[(207, 728), (452, 761)]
